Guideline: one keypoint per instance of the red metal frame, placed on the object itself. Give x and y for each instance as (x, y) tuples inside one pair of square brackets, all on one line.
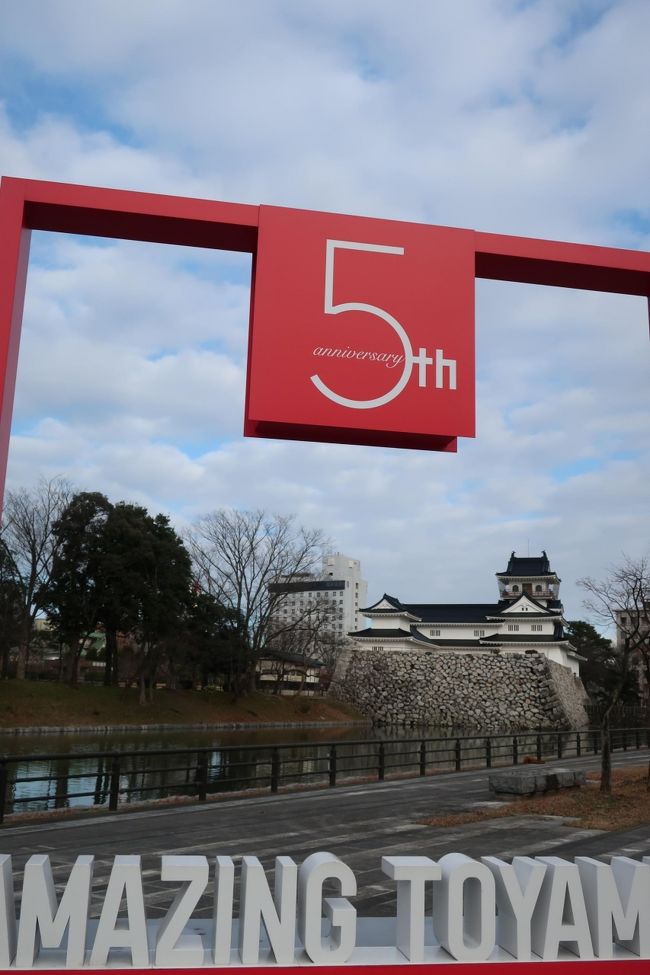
[(27, 205)]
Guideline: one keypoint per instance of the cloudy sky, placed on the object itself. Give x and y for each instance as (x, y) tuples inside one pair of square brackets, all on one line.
[(527, 117)]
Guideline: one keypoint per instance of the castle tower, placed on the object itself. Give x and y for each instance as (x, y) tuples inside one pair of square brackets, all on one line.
[(530, 576)]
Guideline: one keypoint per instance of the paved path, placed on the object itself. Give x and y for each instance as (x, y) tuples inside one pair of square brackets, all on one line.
[(358, 823)]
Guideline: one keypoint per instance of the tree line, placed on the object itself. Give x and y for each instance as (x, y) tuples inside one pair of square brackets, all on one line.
[(197, 609), (618, 673)]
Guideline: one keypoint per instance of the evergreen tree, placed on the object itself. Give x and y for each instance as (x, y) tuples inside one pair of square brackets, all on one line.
[(11, 606), (600, 671), (146, 584), (71, 597)]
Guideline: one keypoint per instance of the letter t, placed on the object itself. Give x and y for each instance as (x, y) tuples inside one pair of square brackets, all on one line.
[(411, 874)]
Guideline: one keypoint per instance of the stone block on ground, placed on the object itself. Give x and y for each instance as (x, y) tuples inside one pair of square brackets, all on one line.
[(525, 782), (516, 784)]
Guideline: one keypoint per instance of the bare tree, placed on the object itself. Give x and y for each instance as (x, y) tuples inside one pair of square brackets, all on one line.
[(622, 599), (309, 631), (29, 544), (238, 556), (329, 648)]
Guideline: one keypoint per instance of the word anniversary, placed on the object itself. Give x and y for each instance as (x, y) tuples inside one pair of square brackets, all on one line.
[(537, 909)]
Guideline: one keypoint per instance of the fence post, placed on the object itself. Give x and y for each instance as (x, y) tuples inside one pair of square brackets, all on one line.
[(458, 754), (637, 739), (578, 745), (515, 750), (539, 748), (332, 765), (202, 776), (275, 769), (488, 753), (559, 744), (381, 767), (114, 792), (60, 794), (423, 758), (3, 788), (624, 739)]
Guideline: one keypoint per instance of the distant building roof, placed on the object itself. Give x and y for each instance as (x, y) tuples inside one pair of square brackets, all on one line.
[(292, 658), (316, 585)]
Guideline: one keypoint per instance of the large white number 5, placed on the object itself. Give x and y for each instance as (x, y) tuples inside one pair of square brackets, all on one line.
[(332, 309)]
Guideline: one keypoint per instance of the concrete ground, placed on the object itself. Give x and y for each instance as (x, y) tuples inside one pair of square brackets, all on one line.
[(358, 823)]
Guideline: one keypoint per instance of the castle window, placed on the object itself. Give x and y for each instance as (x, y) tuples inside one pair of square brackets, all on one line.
[(479, 632), (515, 588), (434, 632), (536, 626), (538, 588), (513, 627)]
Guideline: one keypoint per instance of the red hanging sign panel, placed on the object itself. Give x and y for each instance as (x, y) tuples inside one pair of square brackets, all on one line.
[(362, 331)]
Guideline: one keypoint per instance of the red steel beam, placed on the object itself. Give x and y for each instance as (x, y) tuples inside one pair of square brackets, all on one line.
[(555, 263), (27, 205)]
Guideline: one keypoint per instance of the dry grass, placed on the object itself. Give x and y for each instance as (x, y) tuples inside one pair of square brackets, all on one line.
[(28, 704), (628, 804)]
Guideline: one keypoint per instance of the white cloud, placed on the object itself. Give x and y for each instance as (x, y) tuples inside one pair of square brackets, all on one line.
[(524, 118)]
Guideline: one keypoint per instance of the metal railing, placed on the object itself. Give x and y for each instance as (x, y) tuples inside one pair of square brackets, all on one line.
[(625, 715), (113, 778)]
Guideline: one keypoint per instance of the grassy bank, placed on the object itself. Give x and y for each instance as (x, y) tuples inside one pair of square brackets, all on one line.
[(25, 704), (627, 806)]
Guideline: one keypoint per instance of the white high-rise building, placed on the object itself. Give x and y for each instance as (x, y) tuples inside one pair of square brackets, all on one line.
[(339, 584), (353, 592)]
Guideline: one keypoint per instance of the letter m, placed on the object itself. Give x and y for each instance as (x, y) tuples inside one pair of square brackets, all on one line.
[(617, 897), (43, 921)]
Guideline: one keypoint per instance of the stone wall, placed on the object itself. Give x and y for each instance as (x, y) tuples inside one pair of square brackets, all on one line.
[(571, 695), (490, 692)]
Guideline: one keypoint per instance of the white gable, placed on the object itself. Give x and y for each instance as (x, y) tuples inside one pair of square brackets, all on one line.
[(524, 605), (384, 604)]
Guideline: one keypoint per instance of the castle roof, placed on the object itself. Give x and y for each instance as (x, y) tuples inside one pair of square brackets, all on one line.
[(519, 638), (385, 633), (476, 612), (453, 612), (535, 566)]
